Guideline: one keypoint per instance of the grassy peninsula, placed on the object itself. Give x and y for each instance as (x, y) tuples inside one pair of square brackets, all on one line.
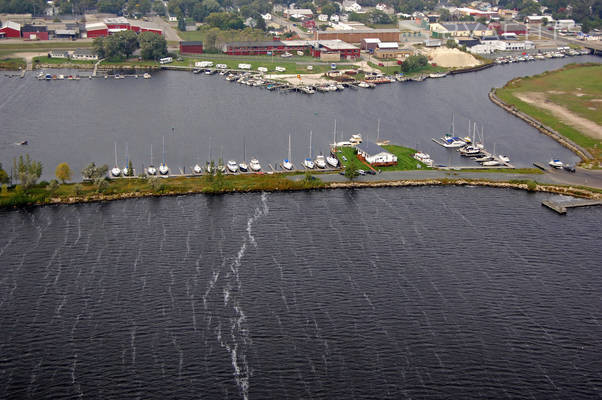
[(568, 100)]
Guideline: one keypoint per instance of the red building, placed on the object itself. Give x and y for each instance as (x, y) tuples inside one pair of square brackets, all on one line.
[(191, 47), (309, 24), (34, 32), (98, 29), (501, 28), (140, 26), (345, 50), (10, 30), (119, 23), (254, 48)]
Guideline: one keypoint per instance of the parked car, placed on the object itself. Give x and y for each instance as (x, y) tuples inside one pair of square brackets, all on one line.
[(361, 172), (381, 64), (344, 158), (569, 168), (369, 171)]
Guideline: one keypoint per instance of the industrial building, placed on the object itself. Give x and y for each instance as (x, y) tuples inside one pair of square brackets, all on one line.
[(356, 35), (194, 47), (10, 30), (34, 32), (334, 50)]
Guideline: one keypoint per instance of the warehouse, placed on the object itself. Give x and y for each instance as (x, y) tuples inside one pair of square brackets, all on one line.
[(369, 44), (34, 32), (345, 51), (10, 30), (98, 29), (356, 35), (195, 47)]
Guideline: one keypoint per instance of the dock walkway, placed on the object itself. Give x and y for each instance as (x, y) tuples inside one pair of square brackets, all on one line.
[(561, 206)]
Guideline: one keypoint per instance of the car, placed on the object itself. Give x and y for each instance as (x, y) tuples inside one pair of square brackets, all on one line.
[(381, 64), (369, 171), (344, 158), (361, 172), (569, 168)]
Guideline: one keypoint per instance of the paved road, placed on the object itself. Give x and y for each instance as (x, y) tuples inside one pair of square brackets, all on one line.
[(284, 22), (171, 35), (580, 178)]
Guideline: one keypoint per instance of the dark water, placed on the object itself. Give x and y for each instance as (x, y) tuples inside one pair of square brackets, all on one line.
[(79, 122), (377, 293)]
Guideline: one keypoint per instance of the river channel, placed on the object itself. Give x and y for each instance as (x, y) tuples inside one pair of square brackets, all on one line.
[(405, 293), (80, 121)]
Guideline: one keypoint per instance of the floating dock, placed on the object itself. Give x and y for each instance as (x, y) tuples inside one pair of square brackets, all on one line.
[(561, 206)]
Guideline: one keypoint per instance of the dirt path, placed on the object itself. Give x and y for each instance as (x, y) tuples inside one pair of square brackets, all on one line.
[(584, 125)]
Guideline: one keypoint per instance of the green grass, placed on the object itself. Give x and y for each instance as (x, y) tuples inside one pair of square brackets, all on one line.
[(49, 60), (12, 63), (43, 46), (405, 161), (427, 69), (563, 85)]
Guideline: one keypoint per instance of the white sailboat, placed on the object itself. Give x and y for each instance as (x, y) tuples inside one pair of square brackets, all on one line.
[(232, 166), (151, 170), (255, 165), (243, 164), (320, 161), (126, 170), (163, 169), (308, 163), (286, 163), (116, 171), (331, 159)]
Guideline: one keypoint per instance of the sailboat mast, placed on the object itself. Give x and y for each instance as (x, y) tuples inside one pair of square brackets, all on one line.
[(115, 154), (163, 150), (244, 151), (378, 131), (151, 154), (126, 155), (453, 129), (289, 148), (310, 134), (334, 134)]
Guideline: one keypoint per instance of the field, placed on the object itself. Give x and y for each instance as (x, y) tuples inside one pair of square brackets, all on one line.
[(12, 64), (42, 46), (49, 60), (568, 100), (405, 161)]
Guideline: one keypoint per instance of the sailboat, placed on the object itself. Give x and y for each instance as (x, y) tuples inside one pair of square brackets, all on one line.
[(209, 168), (232, 166), (308, 163), (151, 170), (287, 164), (243, 167), (331, 159), (451, 140), (163, 169), (126, 170), (220, 162), (197, 168), (255, 165), (116, 171)]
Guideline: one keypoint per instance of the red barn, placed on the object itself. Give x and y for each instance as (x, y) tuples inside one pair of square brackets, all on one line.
[(98, 29), (346, 50), (501, 28), (11, 30), (34, 32), (140, 26), (191, 47), (120, 23)]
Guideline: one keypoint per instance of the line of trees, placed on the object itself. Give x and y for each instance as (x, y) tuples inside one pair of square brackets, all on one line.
[(123, 44)]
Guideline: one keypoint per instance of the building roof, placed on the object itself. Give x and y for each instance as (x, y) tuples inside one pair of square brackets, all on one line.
[(388, 45), (11, 25), (34, 28), (116, 20), (192, 43), (371, 40), (83, 52), (375, 31), (336, 44), (273, 43), (463, 26), (302, 11), (370, 148), (96, 25), (65, 32), (147, 25)]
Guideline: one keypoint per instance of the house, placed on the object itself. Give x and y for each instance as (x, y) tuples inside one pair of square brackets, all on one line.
[(58, 54), (334, 18), (323, 18), (537, 19), (84, 54), (193, 47), (351, 6), (34, 32), (564, 24), (329, 50), (309, 24), (369, 44), (389, 50), (97, 29), (266, 17), (385, 8), (10, 30), (298, 13), (375, 155)]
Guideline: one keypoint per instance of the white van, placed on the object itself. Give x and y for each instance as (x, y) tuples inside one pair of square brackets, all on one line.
[(166, 60)]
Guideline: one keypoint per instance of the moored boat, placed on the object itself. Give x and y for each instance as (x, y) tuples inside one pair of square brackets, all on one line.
[(232, 166), (255, 165), (320, 161), (556, 163)]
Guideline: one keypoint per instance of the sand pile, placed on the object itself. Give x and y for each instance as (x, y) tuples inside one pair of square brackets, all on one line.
[(452, 58)]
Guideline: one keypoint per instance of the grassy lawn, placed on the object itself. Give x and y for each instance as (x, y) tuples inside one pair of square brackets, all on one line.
[(43, 46), (574, 87), (12, 64), (405, 161), (49, 60), (427, 69)]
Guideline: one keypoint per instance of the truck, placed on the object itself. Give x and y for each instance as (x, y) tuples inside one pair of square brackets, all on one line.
[(166, 60)]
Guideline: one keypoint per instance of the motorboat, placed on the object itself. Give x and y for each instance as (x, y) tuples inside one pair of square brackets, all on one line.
[(332, 161), (243, 167), (286, 164), (470, 151), (355, 139), (555, 163), (255, 165), (424, 158), (504, 158), (363, 84), (308, 163), (320, 161), (453, 142), (232, 166), (146, 75), (22, 143), (483, 159), (197, 169), (492, 163)]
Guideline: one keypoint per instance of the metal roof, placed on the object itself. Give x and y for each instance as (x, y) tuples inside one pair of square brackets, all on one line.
[(192, 43), (116, 20), (464, 26), (336, 44), (388, 45), (96, 25), (375, 31), (275, 43), (371, 148), (11, 25)]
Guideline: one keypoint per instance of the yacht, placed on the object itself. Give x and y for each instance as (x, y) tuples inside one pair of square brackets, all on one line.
[(483, 159), (286, 164), (254, 165), (116, 171), (332, 161), (453, 142), (470, 151), (197, 169), (320, 161), (308, 163), (243, 167), (492, 163), (504, 158), (163, 169), (232, 166), (126, 171), (355, 139), (147, 75), (555, 163), (424, 158)]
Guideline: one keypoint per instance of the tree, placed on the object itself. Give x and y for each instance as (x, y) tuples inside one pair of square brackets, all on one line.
[(53, 186), (152, 46), (330, 9), (159, 8), (130, 168), (444, 15), (3, 175), (28, 171), (92, 172), (128, 42), (351, 171), (99, 47), (260, 23), (451, 43), (63, 172), (181, 23)]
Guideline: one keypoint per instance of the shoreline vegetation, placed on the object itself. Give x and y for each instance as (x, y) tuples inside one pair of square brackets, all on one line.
[(122, 189), (576, 88)]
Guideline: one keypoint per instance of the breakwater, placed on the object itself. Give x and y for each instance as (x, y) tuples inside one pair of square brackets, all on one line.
[(546, 130)]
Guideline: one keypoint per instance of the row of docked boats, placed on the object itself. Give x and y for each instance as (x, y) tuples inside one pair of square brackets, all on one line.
[(560, 53), (59, 77)]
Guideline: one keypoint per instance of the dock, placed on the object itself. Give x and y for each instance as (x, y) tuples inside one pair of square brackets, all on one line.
[(561, 206)]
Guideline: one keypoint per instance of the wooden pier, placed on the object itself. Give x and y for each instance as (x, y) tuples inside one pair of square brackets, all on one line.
[(561, 206)]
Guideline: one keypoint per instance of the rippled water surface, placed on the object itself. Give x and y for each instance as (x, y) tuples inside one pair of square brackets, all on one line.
[(376, 293)]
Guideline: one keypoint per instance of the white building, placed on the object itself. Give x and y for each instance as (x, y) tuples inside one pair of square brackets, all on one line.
[(334, 18), (351, 6), (323, 18), (266, 17), (84, 54), (374, 154)]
